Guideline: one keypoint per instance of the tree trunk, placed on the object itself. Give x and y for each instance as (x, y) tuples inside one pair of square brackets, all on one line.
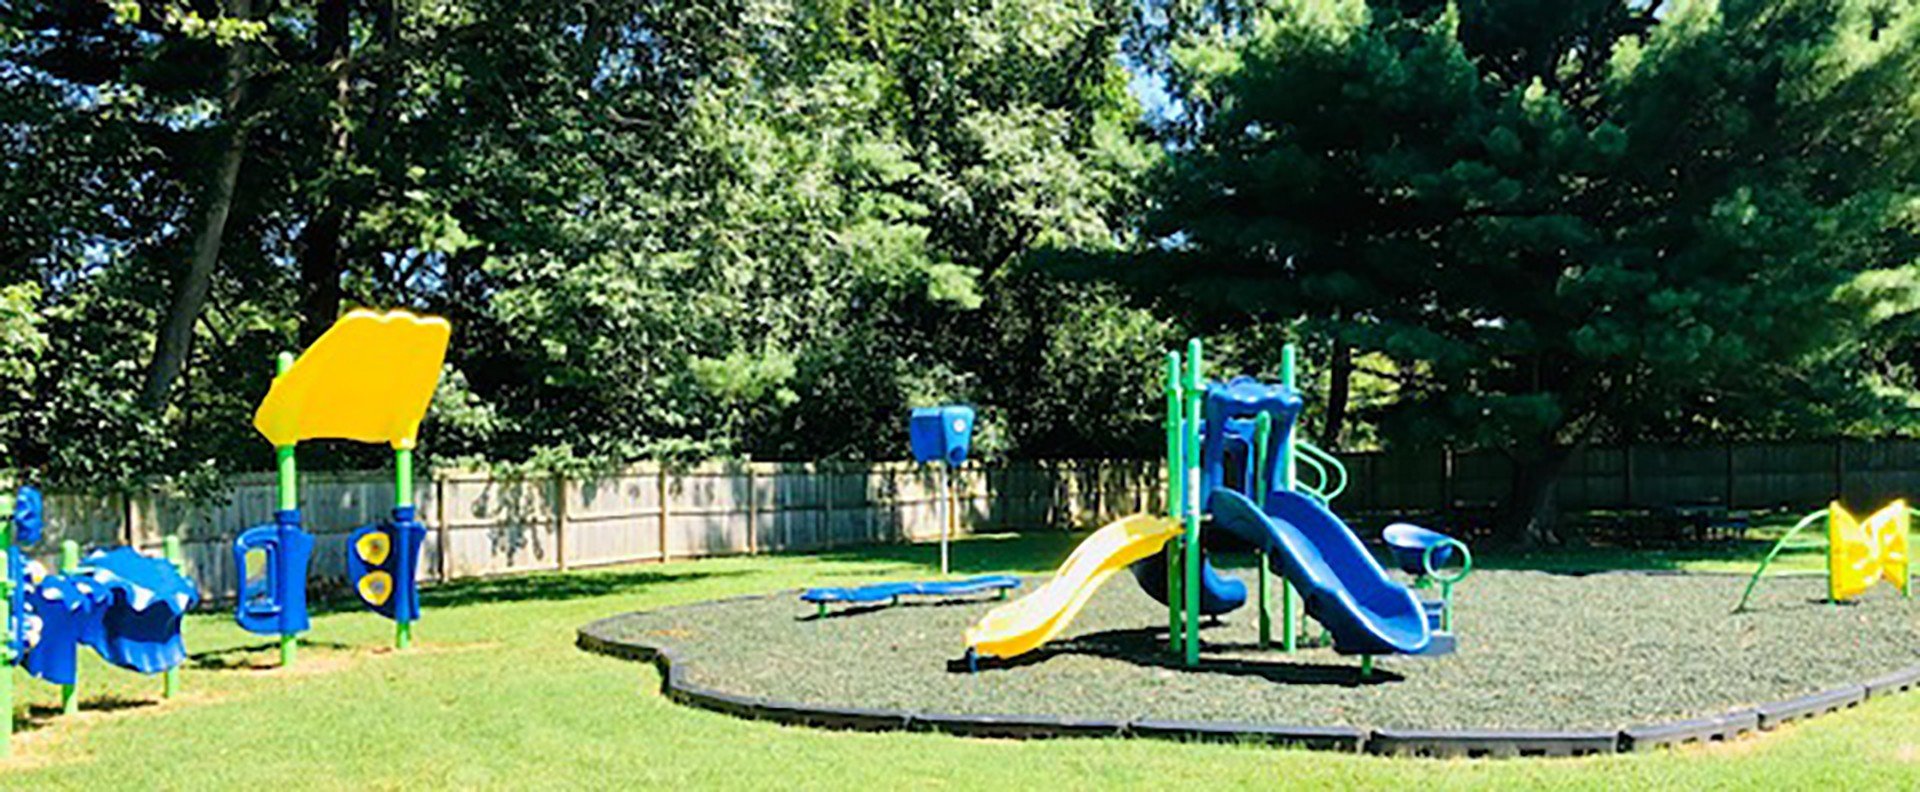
[(175, 340), (1530, 514), (1339, 392), (320, 265)]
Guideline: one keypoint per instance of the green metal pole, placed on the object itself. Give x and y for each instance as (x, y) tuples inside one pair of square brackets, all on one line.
[(402, 497), (6, 618), (170, 686), (1289, 632), (1263, 431), (288, 491), (1176, 497), (1190, 468), (69, 563)]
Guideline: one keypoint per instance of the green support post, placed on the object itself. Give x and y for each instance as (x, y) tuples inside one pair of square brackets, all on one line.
[(402, 497), (1262, 433), (1176, 497), (1190, 468), (70, 563), (170, 684), (287, 492), (1289, 632), (6, 617)]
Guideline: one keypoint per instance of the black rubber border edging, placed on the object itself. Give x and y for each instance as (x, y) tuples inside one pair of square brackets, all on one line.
[(1467, 743)]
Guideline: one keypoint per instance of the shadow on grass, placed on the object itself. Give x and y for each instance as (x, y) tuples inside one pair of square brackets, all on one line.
[(40, 715), (1147, 647), (536, 586), (251, 657)]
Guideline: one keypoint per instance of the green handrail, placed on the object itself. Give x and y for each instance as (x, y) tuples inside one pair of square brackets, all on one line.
[(1315, 489), (1316, 456), (1777, 547)]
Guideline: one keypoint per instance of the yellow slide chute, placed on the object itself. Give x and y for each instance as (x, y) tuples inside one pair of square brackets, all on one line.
[(369, 378), (1864, 552), (1021, 626)]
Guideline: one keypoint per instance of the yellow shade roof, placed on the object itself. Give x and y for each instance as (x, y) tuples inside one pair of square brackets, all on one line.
[(369, 378)]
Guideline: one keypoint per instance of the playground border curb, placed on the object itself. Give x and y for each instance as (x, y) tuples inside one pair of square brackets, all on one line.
[(1419, 743)]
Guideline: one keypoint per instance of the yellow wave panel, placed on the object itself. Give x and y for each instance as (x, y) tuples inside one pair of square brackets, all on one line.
[(369, 378)]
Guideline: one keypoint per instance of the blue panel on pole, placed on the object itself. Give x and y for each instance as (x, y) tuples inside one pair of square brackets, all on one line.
[(941, 434), (272, 561), (382, 564)]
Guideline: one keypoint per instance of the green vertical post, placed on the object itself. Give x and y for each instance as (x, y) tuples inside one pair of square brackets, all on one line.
[(1176, 497), (402, 497), (1289, 632), (6, 618), (1262, 433), (1190, 468), (69, 563), (287, 492), (170, 685)]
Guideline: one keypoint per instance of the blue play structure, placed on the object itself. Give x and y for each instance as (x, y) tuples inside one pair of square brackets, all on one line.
[(273, 561), (1247, 463), (382, 562), (892, 592), (942, 434), (125, 606), (1411, 545)]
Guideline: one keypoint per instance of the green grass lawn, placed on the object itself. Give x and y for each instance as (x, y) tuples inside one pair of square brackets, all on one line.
[(494, 695)]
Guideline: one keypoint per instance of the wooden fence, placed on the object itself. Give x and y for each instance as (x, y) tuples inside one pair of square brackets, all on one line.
[(481, 525), (1745, 475)]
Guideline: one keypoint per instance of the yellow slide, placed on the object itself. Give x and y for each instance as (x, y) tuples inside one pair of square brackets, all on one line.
[(1023, 625)]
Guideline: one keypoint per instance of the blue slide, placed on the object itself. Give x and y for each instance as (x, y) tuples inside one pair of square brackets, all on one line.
[(1345, 589), (1218, 593)]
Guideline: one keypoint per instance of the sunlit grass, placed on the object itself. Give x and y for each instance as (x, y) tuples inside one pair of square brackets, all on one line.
[(496, 696)]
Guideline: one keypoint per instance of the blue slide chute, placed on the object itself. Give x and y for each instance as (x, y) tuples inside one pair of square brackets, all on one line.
[(1345, 589), (1218, 593)]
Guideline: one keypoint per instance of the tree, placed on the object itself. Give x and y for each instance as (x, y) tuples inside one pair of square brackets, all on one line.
[(1564, 221)]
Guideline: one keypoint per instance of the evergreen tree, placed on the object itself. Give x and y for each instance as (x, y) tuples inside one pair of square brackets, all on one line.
[(1566, 221)]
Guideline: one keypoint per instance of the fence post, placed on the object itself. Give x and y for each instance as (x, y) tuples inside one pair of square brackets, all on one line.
[(440, 525), (753, 530), (1840, 468), (1626, 474), (559, 482), (662, 470), (1730, 472), (824, 480)]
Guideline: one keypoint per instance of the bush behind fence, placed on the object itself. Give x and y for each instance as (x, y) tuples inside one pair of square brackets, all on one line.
[(481, 525)]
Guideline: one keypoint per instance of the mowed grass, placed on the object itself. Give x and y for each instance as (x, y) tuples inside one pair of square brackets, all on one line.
[(494, 695)]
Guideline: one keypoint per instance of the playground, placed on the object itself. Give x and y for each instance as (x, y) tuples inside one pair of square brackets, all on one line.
[(499, 667)]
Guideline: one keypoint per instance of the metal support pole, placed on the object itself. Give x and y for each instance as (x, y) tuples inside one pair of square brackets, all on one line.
[(69, 694), (6, 623), (1262, 434), (1289, 631), (1191, 470), (946, 516), (287, 492), (402, 498), (1176, 498), (170, 684)]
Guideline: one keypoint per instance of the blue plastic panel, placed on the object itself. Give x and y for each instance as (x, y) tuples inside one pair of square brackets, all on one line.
[(272, 561), (941, 434)]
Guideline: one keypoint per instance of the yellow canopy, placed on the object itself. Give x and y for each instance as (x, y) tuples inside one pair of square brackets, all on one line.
[(369, 378)]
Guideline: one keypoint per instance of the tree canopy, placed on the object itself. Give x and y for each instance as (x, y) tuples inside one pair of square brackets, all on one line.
[(1568, 221), (677, 228)]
